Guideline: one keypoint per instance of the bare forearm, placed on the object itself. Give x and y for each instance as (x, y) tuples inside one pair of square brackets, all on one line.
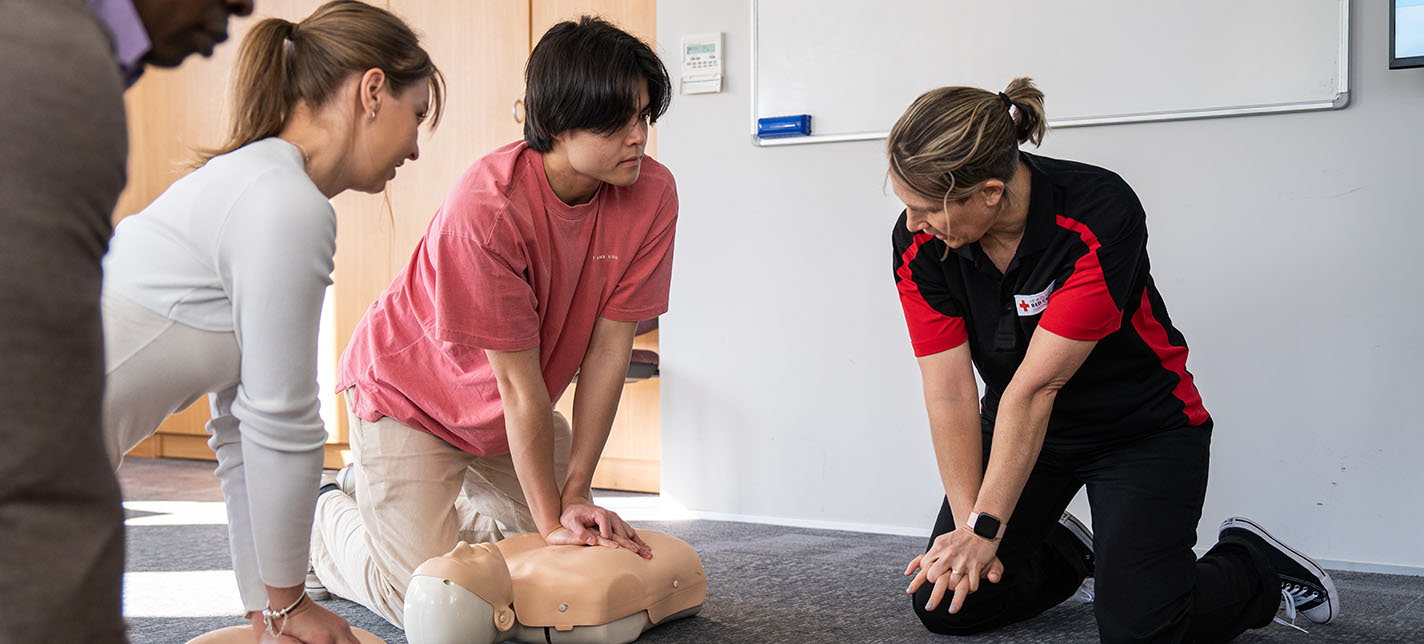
[(530, 427), (600, 385), (595, 406), (1023, 416), (958, 445), (952, 400), (1018, 437)]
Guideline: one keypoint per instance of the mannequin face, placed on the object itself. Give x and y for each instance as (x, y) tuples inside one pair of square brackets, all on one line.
[(177, 28), (390, 138), (464, 595)]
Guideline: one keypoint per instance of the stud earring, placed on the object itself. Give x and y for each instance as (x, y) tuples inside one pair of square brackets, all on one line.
[(373, 115)]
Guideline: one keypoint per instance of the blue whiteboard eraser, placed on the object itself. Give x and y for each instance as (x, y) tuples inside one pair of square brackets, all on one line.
[(774, 127)]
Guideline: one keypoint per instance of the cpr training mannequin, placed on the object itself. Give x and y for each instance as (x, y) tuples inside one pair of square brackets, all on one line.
[(524, 590)]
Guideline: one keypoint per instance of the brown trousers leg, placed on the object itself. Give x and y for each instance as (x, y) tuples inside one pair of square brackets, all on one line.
[(62, 153)]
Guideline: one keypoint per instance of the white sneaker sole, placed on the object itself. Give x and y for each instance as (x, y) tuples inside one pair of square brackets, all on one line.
[(315, 589), (346, 481)]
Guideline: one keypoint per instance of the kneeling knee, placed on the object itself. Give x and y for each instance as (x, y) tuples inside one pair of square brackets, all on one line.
[(941, 621), (1127, 622)]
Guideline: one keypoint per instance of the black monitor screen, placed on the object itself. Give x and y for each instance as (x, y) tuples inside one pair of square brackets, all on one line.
[(1406, 34)]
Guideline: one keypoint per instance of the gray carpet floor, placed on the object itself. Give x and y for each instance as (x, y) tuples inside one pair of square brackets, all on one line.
[(765, 583)]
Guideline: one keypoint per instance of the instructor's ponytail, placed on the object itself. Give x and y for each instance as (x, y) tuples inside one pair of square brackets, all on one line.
[(952, 140), (1027, 100)]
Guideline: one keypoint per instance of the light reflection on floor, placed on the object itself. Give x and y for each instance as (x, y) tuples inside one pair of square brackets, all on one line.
[(189, 593), (151, 513), (212, 593)]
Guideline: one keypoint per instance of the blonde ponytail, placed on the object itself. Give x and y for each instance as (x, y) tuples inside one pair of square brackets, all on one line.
[(952, 140), (261, 87), (282, 64), (1029, 122)]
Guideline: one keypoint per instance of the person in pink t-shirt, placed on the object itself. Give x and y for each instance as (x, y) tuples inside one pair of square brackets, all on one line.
[(538, 265)]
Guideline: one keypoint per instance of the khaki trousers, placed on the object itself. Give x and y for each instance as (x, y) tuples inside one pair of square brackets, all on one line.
[(416, 496)]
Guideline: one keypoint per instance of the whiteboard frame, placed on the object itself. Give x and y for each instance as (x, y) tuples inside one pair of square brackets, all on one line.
[(1342, 98)]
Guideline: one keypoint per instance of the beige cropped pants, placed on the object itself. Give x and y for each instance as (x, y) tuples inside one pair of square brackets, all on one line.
[(416, 496)]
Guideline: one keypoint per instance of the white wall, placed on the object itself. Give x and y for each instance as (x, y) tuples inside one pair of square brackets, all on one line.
[(1285, 247)]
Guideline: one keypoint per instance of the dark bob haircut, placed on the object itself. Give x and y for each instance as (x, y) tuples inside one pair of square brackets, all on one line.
[(586, 75)]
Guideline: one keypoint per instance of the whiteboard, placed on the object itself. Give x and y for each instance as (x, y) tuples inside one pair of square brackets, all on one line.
[(855, 65)]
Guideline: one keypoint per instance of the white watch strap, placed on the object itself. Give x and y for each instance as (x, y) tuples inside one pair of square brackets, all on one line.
[(974, 518)]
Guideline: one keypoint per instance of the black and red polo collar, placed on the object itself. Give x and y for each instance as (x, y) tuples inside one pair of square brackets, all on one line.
[(1043, 204)]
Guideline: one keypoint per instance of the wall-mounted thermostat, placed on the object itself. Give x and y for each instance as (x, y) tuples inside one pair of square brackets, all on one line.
[(701, 63)]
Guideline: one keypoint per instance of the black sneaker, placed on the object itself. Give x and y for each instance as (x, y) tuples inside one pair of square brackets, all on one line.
[(1080, 532), (1305, 586), (1084, 537)]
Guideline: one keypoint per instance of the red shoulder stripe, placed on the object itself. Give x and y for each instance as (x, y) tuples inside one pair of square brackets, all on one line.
[(1082, 309), (930, 331)]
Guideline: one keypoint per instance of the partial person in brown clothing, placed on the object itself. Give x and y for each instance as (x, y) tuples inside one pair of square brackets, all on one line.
[(64, 65)]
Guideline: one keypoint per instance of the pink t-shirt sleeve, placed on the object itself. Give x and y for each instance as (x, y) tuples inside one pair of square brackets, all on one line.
[(480, 294), (642, 292)]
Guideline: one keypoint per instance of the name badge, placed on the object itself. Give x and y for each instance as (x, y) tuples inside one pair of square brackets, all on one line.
[(1026, 305)]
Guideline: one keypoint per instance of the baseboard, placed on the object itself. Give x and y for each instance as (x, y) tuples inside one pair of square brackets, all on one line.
[(1368, 566), (844, 526), (1356, 566)]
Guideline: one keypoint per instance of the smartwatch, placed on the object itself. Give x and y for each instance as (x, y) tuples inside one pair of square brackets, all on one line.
[(987, 526)]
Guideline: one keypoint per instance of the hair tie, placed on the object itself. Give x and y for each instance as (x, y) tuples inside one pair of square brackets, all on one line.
[(1008, 104), (289, 34), (289, 39)]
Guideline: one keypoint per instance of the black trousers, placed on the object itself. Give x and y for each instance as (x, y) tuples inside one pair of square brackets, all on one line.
[(1146, 498)]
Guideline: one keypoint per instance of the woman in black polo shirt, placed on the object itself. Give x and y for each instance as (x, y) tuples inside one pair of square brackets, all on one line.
[(1035, 271)]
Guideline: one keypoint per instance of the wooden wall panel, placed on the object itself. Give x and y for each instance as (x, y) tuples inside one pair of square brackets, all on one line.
[(633, 455), (174, 112), (480, 48), (637, 17)]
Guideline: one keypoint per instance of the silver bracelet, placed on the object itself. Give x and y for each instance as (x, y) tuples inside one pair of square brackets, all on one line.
[(270, 617)]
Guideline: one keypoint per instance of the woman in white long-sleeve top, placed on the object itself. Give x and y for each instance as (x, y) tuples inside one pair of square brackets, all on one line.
[(217, 286)]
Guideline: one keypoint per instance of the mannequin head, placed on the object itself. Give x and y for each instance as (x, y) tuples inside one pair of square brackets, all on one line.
[(462, 596)]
